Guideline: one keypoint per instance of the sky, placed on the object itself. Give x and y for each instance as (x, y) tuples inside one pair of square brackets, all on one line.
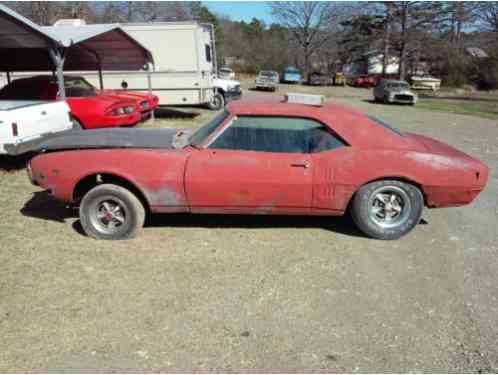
[(241, 10)]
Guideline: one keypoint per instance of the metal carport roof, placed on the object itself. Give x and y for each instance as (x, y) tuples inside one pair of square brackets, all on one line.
[(25, 46)]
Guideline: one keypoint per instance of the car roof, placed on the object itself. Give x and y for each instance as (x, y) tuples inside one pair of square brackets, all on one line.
[(352, 125), (45, 78)]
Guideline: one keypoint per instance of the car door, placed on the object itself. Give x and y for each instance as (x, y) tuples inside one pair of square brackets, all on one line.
[(253, 165)]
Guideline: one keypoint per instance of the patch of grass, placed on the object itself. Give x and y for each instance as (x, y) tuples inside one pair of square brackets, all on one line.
[(480, 108)]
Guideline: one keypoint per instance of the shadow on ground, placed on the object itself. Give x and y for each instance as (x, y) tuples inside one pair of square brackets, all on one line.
[(167, 112), (43, 206), (14, 163)]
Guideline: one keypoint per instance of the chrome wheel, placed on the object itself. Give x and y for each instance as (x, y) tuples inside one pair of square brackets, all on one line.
[(108, 215), (389, 206)]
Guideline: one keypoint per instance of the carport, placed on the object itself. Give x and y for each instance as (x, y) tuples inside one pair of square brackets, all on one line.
[(27, 47)]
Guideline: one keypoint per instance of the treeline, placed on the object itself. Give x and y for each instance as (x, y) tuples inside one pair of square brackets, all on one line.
[(326, 35)]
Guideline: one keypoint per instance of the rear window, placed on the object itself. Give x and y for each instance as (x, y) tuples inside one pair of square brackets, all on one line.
[(385, 125)]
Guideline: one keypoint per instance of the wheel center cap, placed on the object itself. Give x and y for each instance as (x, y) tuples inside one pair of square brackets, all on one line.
[(109, 216)]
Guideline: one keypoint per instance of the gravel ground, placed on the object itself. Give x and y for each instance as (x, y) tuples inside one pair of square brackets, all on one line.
[(214, 293)]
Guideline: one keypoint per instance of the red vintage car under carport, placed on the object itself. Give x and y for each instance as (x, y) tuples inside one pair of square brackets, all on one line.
[(90, 107), (258, 158)]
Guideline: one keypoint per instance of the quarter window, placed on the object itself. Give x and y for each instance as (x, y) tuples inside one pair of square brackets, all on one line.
[(276, 134)]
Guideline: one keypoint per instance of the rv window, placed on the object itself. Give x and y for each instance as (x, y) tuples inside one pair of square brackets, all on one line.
[(208, 53)]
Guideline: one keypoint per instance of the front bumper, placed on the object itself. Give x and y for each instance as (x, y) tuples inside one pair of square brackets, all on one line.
[(233, 95)]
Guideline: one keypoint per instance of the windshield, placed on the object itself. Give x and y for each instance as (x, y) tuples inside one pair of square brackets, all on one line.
[(268, 74), (79, 87), (207, 129), (385, 125), (398, 85), (292, 71)]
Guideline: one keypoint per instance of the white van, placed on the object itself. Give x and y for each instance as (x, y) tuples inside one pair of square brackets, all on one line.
[(184, 71)]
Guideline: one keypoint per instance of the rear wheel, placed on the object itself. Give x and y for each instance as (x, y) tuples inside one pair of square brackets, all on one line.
[(217, 103), (111, 212), (387, 209)]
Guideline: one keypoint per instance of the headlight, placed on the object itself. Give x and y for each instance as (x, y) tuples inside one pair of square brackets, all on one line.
[(123, 110)]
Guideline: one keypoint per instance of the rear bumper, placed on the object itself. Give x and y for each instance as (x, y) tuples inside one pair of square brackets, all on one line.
[(20, 148)]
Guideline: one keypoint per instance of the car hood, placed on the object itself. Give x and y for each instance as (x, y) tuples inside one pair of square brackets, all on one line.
[(114, 138), (127, 94)]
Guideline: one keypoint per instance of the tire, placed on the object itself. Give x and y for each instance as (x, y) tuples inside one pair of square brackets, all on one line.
[(76, 124), (102, 200), (217, 103), (385, 100), (379, 216)]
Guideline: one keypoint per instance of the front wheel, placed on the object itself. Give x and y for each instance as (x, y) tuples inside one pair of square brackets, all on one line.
[(387, 209), (217, 102), (111, 212)]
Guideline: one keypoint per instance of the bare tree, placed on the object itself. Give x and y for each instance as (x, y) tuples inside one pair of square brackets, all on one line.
[(487, 14), (308, 22)]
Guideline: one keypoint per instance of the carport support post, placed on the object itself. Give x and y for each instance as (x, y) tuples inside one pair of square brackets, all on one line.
[(149, 84), (58, 60), (101, 79), (8, 77)]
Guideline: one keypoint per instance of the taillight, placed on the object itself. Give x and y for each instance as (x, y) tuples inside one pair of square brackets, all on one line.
[(15, 132)]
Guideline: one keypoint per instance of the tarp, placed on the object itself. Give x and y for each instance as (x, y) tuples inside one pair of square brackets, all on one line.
[(25, 46)]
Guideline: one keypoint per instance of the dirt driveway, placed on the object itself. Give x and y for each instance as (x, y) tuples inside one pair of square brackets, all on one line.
[(213, 293)]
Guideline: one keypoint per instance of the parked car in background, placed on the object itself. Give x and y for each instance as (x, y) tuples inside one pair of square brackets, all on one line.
[(291, 75), (259, 157), (226, 73), (394, 91), (364, 80), (90, 108), (267, 80), (425, 82), (339, 79), (22, 121), (319, 79)]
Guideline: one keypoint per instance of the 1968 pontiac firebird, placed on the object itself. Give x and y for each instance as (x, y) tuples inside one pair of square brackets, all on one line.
[(258, 158)]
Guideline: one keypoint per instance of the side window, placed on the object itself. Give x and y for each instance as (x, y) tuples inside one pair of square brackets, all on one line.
[(276, 134), (208, 52)]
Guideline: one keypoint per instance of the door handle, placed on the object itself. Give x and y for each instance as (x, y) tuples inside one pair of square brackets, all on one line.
[(301, 165), (43, 113)]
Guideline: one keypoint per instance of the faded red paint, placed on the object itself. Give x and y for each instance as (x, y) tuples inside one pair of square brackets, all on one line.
[(202, 180)]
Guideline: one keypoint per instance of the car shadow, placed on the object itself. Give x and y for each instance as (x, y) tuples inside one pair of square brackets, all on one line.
[(343, 225), (14, 163), (43, 206)]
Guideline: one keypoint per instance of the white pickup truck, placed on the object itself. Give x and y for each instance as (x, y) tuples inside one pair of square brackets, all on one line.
[(22, 121)]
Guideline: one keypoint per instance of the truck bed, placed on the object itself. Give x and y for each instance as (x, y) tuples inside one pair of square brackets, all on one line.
[(8, 105)]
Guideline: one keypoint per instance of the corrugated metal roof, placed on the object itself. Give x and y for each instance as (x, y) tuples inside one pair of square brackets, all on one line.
[(25, 46)]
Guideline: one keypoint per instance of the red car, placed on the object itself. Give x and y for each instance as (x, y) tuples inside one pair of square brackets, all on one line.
[(90, 108), (258, 158)]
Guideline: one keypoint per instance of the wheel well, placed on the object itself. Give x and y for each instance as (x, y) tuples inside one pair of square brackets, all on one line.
[(78, 119), (396, 178), (89, 182)]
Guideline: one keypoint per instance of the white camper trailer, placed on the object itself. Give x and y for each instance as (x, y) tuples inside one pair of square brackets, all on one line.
[(184, 71)]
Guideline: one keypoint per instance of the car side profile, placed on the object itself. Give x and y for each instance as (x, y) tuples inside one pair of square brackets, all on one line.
[(259, 158), (90, 108)]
